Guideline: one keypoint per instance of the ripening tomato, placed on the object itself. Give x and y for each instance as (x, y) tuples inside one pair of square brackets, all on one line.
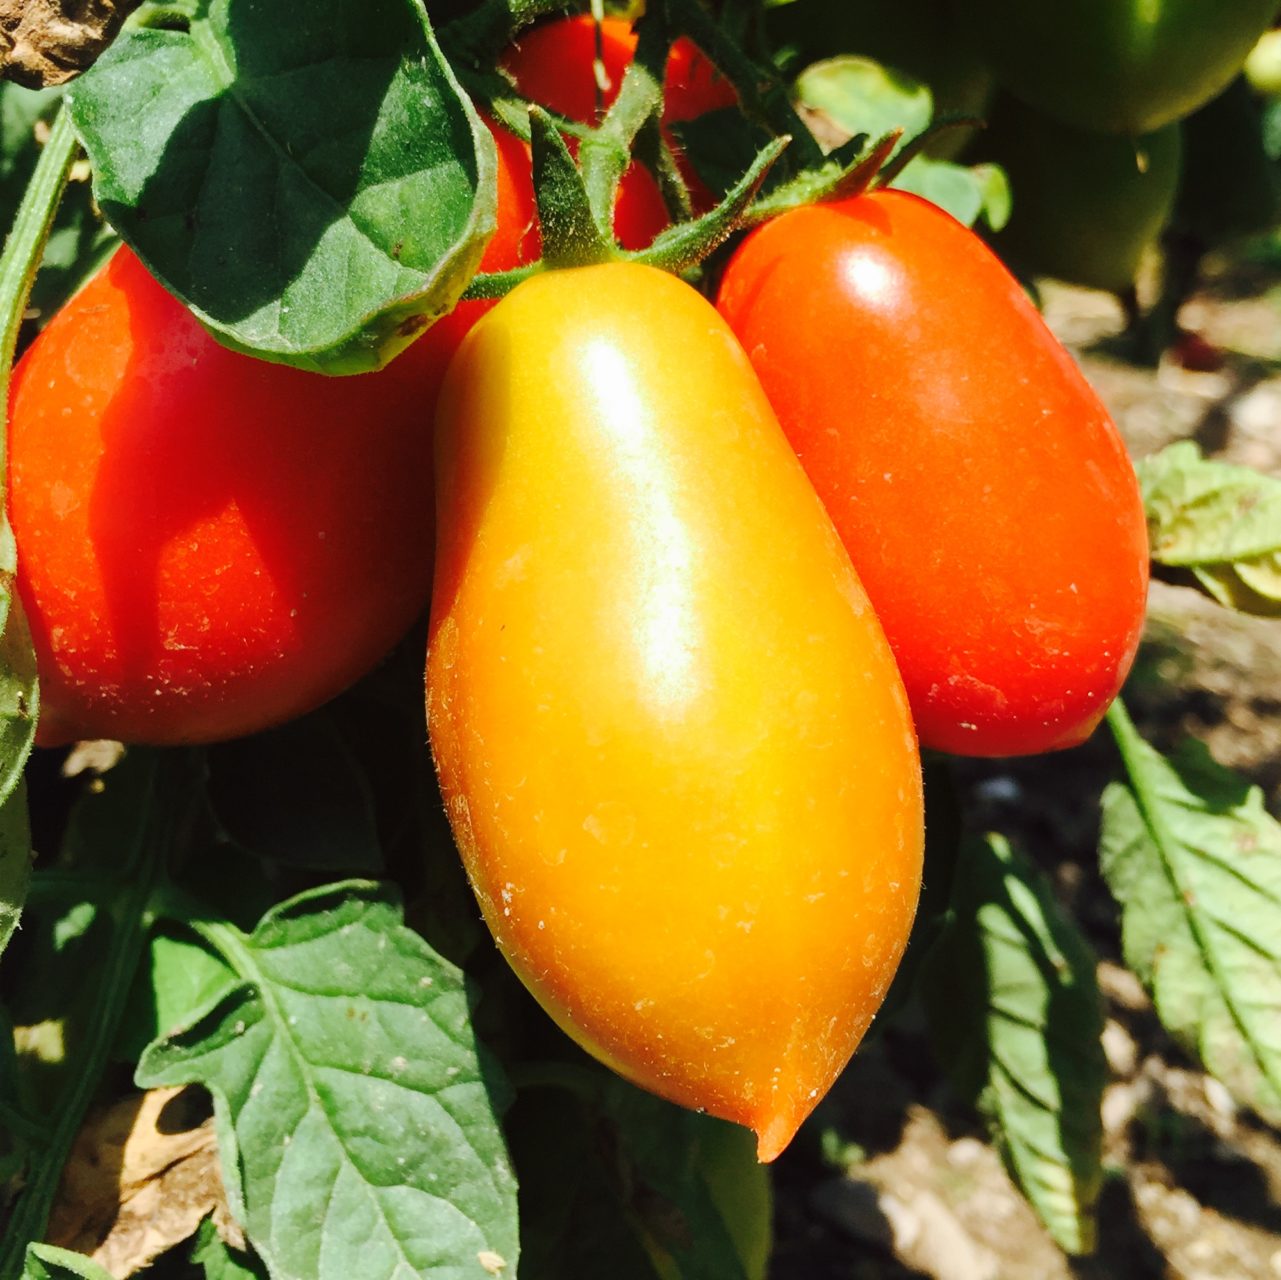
[(210, 544), (672, 742), (1121, 66), (553, 64), (981, 489)]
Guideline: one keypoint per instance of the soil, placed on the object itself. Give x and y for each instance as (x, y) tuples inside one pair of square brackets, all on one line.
[(901, 1182)]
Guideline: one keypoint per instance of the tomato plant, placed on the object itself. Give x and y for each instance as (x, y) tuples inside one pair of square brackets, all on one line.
[(980, 487), (666, 726), (625, 765), (1122, 68)]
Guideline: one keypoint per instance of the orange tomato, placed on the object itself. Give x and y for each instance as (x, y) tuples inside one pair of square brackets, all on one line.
[(672, 741)]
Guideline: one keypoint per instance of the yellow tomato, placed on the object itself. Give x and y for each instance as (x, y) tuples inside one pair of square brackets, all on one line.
[(673, 744)]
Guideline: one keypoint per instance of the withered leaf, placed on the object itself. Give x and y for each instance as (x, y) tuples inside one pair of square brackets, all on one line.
[(48, 42), (142, 1175)]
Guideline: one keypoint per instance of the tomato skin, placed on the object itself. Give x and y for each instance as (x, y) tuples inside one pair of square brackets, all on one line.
[(210, 544), (652, 678), (552, 64), (982, 491), (1122, 66)]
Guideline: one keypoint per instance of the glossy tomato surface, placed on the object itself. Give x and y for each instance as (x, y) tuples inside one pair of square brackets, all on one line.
[(985, 497), (209, 544), (553, 64), (673, 745), (1122, 66)]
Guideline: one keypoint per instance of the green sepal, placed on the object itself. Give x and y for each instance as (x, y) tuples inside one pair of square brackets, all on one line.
[(836, 180), (686, 245), (571, 236)]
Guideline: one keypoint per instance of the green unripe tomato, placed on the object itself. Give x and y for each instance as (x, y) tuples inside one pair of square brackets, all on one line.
[(1121, 66), (1086, 205)]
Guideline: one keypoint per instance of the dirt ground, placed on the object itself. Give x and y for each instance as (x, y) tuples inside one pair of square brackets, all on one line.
[(905, 1185)]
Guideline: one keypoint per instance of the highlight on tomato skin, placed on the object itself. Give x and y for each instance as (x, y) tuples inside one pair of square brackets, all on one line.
[(672, 742), (984, 494)]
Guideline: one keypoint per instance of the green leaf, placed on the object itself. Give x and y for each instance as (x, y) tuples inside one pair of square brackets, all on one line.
[(219, 1260), (15, 862), (178, 978), (356, 1114), (297, 795), (862, 96), (1195, 861), (44, 1262), (967, 193), (1221, 522), (1016, 1016), (310, 179)]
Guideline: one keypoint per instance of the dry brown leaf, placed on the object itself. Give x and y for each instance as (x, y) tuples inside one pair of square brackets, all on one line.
[(142, 1175), (47, 42)]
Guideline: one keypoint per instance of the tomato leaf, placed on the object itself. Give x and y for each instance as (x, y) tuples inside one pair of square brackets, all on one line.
[(1221, 522), (847, 95), (219, 1260), (1015, 1013), (356, 1114), (297, 795), (179, 976), (1195, 861), (44, 1262), (15, 861), (310, 179), (861, 96), (968, 193)]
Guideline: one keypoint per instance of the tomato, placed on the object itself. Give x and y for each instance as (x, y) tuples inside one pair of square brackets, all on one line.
[(1087, 206), (1122, 66), (671, 738), (553, 64), (920, 37), (210, 544), (980, 487)]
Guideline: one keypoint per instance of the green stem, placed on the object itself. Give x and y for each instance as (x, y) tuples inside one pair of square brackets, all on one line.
[(761, 94), (133, 911), (606, 152), (24, 248)]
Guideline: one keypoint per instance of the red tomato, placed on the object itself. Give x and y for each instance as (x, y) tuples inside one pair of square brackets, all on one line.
[(210, 544), (553, 65), (982, 491)]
